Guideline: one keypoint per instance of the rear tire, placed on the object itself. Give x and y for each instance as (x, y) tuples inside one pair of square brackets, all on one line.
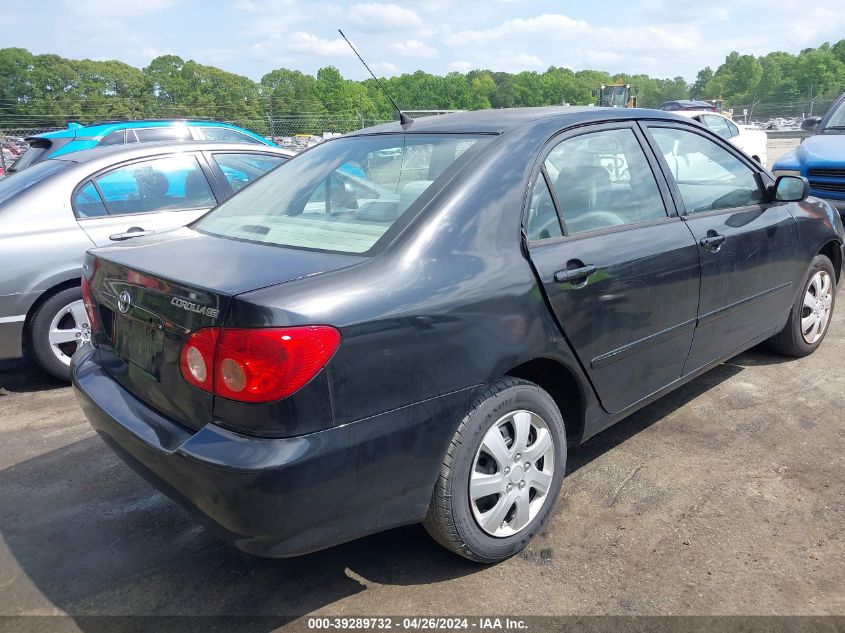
[(809, 318), (58, 328), (521, 424)]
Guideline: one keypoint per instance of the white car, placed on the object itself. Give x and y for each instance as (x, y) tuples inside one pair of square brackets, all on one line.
[(750, 140)]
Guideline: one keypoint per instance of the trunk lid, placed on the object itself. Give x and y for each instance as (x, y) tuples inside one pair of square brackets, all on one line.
[(153, 292)]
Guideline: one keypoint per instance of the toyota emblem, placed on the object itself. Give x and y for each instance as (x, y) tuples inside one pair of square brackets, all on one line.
[(124, 301)]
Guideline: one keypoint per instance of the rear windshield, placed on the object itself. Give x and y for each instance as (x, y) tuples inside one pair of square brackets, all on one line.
[(343, 195), (38, 150), (16, 183)]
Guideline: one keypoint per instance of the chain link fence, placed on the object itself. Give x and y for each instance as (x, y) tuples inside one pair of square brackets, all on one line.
[(783, 116)]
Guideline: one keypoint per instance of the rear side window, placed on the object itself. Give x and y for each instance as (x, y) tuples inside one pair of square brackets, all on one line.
[(543, 221), (344, 194), (718, 124), (161, 184), (603, 179), (87, 202), (225, 134), (242, 169), (172, 133)]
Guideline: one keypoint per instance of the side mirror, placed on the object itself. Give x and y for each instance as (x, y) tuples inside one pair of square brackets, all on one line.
[(791, 189), (810, 124)]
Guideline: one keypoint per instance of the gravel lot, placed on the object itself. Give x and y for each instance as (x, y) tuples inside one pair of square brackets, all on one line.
[(725, 497)]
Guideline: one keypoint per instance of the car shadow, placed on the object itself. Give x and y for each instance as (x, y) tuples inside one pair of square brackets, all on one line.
[(96, 540), (22, 375)]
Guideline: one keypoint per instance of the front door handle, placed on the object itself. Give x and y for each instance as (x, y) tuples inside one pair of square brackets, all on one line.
[(132, 231), (574, 274), (713, 241)]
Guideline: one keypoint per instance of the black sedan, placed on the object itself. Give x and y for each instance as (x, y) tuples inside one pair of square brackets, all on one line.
[(413, 323)]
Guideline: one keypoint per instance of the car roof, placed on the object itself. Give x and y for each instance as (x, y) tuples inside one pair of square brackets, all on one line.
[(104, 128), (117, 153), (498, 121)]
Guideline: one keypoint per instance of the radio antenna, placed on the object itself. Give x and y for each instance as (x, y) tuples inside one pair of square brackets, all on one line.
[(404, 119)]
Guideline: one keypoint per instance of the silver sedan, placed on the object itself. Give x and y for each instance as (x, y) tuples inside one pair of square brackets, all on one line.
[(53, 212)]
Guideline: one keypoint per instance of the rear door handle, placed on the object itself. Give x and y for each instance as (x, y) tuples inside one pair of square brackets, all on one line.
[(574, 274), (134, 231), (713, 242)]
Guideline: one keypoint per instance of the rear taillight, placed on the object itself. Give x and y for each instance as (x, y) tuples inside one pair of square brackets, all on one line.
[(197, 358), (256, 365), (90, 308)]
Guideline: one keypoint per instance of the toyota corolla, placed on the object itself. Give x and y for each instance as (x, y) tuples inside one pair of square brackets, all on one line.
[(412, 323)]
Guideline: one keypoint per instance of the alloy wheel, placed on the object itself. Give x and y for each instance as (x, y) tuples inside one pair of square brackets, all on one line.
[(69, 330)]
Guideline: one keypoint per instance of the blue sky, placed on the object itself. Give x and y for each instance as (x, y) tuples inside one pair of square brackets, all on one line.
[(663, 38)]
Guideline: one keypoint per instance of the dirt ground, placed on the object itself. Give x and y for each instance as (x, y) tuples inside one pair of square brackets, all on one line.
[(725, 497)]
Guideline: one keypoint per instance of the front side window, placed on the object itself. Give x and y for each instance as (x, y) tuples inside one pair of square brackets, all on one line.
[(342, 195), (603, 179), (228, 135), (87, 202), (171, 133), (241, 169), (709, 177), (161, 184)]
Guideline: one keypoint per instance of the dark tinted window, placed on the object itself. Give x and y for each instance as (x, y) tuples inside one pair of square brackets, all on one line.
[(16, 183), (172, 133), (87, 202), (39, 150), (709, 177), (161, 184), (228, 135), (241, 169), (603, 179), (115, 138)]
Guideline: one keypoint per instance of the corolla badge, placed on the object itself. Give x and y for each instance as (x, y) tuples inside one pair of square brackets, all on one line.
[(124, 301)]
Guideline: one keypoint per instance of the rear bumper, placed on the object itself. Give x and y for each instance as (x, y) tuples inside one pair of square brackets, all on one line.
[(280, 497)]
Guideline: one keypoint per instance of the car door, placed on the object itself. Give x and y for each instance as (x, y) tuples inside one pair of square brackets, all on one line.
[(748, 247), (619, 267), (149, 195)]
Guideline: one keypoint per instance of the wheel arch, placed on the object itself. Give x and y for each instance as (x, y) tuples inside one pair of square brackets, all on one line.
[(563, 386), (833, 251)]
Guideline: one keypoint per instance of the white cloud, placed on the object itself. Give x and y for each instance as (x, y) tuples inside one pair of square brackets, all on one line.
[(385, 68), (118, 8), (461, 66), (304, 44), (414, 48), (375, 16)]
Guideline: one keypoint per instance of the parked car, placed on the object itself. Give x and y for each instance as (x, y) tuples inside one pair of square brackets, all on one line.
[(78, 137), (752, 141), (425, 347), (821, 158), (52, 212), (680, 105)]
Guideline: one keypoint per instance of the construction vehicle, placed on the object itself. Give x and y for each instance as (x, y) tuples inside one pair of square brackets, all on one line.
[(616, 96)]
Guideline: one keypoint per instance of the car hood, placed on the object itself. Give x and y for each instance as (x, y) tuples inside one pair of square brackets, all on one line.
[(822, 148)]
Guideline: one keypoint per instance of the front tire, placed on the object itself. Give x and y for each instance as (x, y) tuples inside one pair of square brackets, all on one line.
[(501, 474), (58, 328), (811, 313)]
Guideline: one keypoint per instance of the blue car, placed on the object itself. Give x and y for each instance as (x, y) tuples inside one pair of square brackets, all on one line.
[(821, 158), (77, 137)]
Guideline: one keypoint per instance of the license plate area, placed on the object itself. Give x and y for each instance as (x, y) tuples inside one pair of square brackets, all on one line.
[(140, 342)]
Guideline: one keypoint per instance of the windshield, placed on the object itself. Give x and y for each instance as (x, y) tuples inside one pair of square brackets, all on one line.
[(38, 150), (18, 182), (837, 117), (342, 195)]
